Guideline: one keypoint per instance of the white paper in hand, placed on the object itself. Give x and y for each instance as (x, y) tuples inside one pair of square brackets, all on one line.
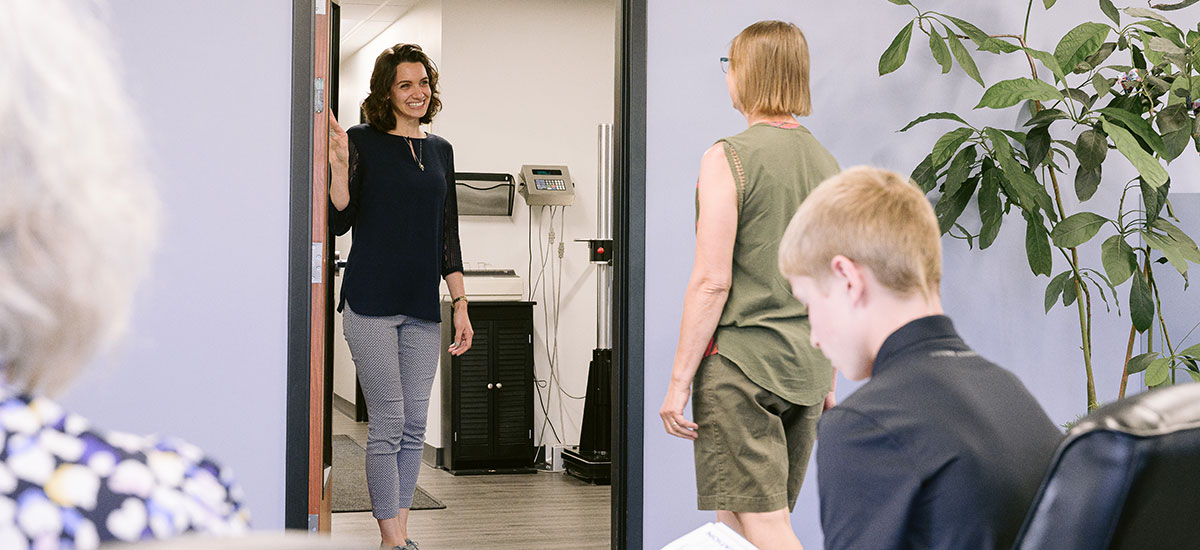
[(711, 536)]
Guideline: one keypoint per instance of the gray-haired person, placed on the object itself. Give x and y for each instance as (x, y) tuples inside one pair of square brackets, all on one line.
[(78, 219)]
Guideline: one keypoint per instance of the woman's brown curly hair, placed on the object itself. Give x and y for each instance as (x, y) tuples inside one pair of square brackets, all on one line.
[(376, 106)]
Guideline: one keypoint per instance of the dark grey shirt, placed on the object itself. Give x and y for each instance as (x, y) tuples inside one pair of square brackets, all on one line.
[(940, 449)]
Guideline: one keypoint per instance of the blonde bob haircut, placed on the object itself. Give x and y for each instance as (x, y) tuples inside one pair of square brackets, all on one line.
[(78, 212), (769, 64), (877, 218)]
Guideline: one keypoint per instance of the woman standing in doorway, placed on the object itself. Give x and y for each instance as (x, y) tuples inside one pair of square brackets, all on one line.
[(394, 184), (744, 342)]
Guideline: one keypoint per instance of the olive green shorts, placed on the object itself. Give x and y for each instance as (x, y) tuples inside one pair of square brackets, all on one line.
[(753, 446)]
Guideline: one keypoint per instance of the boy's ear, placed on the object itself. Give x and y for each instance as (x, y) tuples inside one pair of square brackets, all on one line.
[(848, 277)]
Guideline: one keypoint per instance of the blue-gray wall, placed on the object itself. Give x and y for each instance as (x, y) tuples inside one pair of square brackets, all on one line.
[(995, 301), (205, 358)]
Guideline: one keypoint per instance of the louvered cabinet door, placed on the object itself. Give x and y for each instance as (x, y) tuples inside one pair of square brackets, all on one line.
[(491, 391), (473, 396), (513, 399)]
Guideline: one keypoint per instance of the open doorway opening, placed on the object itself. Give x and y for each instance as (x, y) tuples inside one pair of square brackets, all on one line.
[(526, 87)]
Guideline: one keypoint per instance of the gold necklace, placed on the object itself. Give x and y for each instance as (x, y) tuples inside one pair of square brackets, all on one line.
[(418, 153)]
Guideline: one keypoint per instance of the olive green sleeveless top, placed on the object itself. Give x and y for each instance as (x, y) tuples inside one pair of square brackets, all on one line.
[(763, 329)]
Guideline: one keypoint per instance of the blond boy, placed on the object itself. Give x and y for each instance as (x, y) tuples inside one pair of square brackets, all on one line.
[(940, 448)]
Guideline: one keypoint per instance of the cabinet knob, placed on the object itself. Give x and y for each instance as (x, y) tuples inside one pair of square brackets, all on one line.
[(499, 385), (489, 386)]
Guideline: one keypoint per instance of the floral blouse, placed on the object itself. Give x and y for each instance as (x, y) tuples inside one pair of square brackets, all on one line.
[(66, 485)]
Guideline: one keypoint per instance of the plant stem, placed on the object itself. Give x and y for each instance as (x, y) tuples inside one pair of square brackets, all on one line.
[(1128, 356), (1028, 10), (1161, 321), (1084, 302)]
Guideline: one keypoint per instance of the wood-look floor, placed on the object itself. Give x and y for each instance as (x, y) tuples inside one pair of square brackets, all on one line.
[(495, 512)]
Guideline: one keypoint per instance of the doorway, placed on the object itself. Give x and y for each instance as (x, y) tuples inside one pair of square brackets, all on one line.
[(623, 22)]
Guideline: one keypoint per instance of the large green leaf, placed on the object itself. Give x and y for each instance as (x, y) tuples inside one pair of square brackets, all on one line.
[(973, 32), (1153, 199), (1037, 144), (1007, 93), (897, 52), (1079, 43), (1070, 292), (1147, 14), (1045, 116), (1158, 372), (1048, 3), (901, 2), (925, 174), (990, 212), (1031, 195), (1055, 288), (1077, 229), (1087, 180), (1186, 245), (1037, 244), (1196, 128), (960, 169), (1078, 96), (950, 207), (1136, 124), (1176, 128), (1175, 6), (1110, 10), (941, 54), (948, 144), (1119, 259), (1159, 28), (1169, 247), (1049, 61), (964, 58), (932, 116), (1193, 351), (1138, 363), (1141, 304), (1164, 45), (1102, 85), (998, 45), (1096, 59), (1146, 165)]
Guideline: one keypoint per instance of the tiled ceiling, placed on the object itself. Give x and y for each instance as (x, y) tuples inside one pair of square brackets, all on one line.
[(363, 20)]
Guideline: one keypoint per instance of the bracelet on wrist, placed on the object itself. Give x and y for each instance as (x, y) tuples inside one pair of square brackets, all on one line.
[(462, 299)]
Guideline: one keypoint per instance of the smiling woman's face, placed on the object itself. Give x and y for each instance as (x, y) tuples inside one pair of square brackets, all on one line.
[(410, 92)]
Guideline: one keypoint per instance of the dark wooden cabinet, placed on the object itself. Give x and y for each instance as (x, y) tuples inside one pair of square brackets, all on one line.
[(487, 392)]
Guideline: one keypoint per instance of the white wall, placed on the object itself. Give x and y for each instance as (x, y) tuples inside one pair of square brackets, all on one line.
[(995, 301), (206, 354)]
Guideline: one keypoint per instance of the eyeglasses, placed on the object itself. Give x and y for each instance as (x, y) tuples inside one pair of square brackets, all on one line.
[(725, 64)]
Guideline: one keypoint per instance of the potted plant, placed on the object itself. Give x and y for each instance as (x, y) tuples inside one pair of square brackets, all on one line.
[(1131, 86)]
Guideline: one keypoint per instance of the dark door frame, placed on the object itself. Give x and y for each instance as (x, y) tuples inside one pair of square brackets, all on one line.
[(629, 223)]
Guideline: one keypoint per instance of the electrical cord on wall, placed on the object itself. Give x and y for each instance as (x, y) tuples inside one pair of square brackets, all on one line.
[(543, 401), (554, 362), (550, 287)]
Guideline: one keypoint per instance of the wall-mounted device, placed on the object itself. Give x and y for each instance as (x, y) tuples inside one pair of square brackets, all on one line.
[(546, 185)]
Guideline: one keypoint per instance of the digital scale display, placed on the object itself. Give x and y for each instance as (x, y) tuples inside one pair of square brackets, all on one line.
[(546, 185), (557, 184)]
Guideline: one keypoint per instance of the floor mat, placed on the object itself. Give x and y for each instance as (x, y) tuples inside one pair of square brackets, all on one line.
[(350, 480)]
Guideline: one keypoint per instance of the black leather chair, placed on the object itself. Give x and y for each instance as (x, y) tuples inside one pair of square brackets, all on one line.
[(1127, 476)]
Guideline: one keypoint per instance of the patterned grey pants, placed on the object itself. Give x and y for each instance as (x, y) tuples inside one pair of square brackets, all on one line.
[(396, 358)]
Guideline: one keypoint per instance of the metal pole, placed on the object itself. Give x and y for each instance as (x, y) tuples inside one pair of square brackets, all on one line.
[(604, 231)]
